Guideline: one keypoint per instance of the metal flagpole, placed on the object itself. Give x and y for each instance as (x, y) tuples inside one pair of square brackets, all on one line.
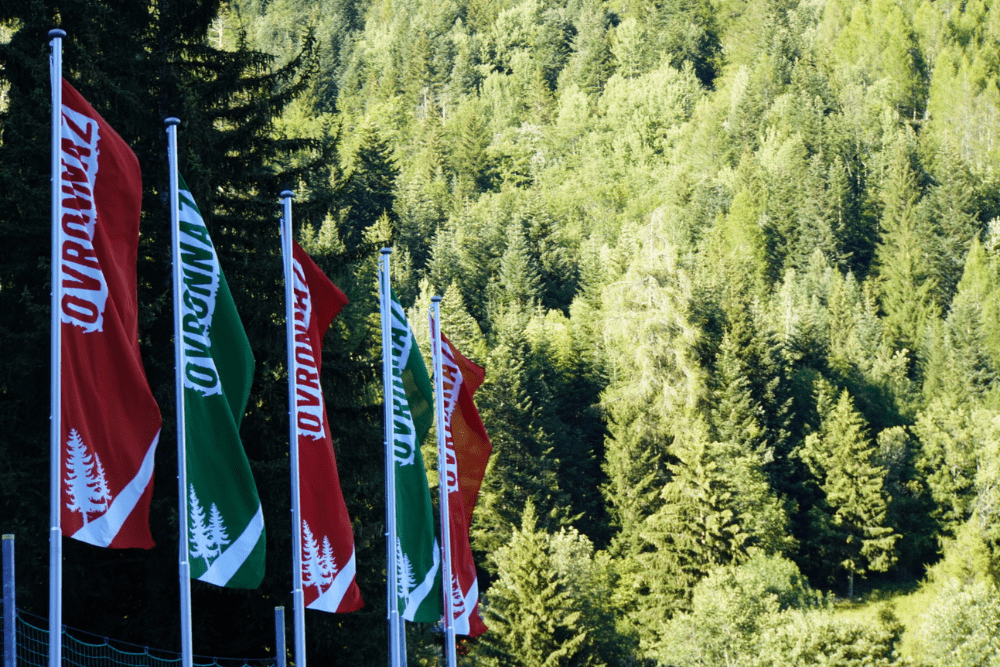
[(391, 598), (9, 604), (298, 607), (184, 562), (55, 362), (434, 317)]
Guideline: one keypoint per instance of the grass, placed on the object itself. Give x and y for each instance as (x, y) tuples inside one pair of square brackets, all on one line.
[(908, 601)]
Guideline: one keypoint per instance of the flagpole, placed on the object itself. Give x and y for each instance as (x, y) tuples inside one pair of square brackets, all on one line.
[(434, 317), (391, 598), (184, 563), (55, 361), (298, 607)]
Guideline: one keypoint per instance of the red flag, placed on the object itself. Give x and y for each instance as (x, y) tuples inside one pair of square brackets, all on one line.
[(110, 422), (328, 564), (467, 451)]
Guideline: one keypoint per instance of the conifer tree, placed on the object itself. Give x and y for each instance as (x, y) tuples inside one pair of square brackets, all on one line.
[(533, 620), (519, 283), (522, 467), (907, 286), (842, 458), (368, 189)]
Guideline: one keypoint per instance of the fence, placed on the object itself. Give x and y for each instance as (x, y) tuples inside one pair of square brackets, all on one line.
[(28, 636)]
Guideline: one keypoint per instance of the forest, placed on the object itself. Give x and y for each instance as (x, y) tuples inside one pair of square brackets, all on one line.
[(732, 268)]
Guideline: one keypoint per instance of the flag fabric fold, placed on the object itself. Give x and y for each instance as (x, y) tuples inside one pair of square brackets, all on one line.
[(328, 556), (467, 452), (225, 519), (418, 558), (110, 422)]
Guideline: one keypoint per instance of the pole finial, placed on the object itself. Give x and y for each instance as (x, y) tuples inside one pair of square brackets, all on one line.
[(287, 193), (57, 33), (172, 121), (435, 299), (386, 251)]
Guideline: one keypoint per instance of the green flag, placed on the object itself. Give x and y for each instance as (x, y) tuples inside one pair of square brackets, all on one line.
[(418, 557), (225, 521)]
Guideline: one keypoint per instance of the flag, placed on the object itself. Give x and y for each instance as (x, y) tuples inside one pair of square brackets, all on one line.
[(467, 451), (328, 564), (110, 424), (418, 558), (225, 520)]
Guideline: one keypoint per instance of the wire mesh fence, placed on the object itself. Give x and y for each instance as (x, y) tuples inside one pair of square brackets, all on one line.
[(82, 649)]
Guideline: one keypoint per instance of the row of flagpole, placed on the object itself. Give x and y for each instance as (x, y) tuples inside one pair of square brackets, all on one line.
[(397, 644)]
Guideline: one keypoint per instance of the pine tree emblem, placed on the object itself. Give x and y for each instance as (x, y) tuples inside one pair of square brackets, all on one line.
[(405, 580), (327, 563), (217, 529), (86, 483), (207, 539), (457, 599), (318, 564)]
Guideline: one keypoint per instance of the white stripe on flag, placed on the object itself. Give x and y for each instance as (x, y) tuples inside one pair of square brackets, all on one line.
[(418, 594), (225, 566), (330, 599), (102, 530)]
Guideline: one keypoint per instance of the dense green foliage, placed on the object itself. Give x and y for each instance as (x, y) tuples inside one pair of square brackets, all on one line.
[(733, 269)]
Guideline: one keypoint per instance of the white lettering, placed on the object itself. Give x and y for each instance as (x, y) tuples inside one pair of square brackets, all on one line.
[(199, 289), (85, 289), (308, 392), (451, 376)]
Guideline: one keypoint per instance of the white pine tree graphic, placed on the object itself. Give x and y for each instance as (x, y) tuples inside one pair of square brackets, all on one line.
[(217, 530), (405, 580), (86, 484), (102, 494), (327, 563), (457, 599), (312, 571), (199, 535)]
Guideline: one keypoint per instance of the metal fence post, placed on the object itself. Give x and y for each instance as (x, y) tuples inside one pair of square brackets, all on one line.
[(279, 635), (9, 610)]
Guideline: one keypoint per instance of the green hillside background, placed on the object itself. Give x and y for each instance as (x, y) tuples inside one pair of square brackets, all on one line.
[(733, 270)]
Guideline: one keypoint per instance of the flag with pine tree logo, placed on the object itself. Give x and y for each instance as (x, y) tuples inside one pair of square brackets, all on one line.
[(467, 453), (225, 520), (110, 423), (418, 558), (328, 558)]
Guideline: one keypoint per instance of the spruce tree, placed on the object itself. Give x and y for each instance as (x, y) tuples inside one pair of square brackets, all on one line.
[(533, 620), (906, 282), (842, 458)]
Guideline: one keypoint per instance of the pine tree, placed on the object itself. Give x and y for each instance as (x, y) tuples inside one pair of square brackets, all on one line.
[(952, 208), (199, 535), (906, 283), (327, 563), (102, 494), (405, 579), (367, 192), (217, 529), (312, 572), (532, 618), (457, 599), (80, 480), (842, 458), (522, 467), (519, 282)]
